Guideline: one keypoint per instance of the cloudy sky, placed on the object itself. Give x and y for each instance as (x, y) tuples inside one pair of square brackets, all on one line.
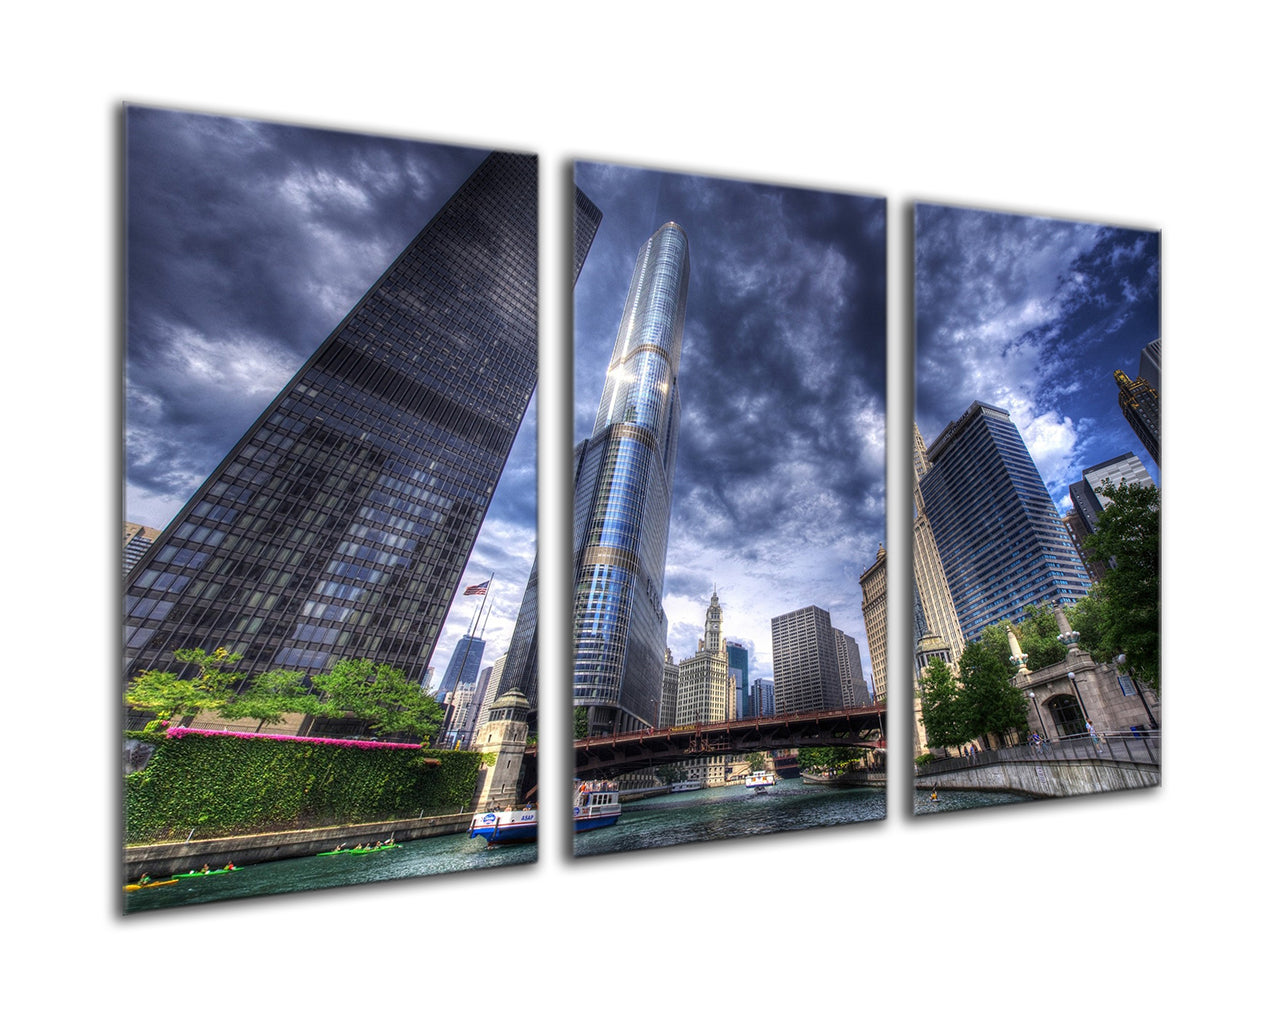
[(247, 242), (1033, 315), (780, 477)]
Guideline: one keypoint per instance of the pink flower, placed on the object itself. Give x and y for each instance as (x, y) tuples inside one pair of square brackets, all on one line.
[(180, 732)]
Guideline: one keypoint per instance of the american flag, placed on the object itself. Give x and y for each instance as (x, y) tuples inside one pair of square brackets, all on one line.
[(476, 590)]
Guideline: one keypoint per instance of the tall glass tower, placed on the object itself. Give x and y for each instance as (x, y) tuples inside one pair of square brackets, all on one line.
[(339, 525), (1002, 544), (622, 499)]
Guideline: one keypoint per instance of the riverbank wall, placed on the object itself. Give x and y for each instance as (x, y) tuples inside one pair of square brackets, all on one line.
[(168, 859), (1047, 779)]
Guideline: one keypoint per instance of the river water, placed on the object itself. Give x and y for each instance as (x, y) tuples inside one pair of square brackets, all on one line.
[(716, 813), (954, 801), (431, 856)]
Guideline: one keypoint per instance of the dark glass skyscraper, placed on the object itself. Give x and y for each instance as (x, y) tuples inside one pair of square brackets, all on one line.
[(1002, 544), (521, 669), (1140, 404), (622, 499), (340, 523), (739, 679)]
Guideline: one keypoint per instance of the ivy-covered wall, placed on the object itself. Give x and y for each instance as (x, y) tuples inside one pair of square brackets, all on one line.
[(228, 785)]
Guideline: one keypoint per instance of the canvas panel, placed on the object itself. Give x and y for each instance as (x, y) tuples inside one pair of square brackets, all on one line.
[(330, 503), (728, 604), (1036, 457)]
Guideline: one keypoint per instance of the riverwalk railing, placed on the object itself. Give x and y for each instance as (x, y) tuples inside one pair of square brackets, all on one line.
[(1124, 746)]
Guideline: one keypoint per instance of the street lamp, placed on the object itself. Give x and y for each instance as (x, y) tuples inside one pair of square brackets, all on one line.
[(1044, 731), (1071, 676), (1121, 660)]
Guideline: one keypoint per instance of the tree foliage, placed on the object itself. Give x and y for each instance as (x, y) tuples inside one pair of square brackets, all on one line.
[(989, 703), (982, 700), (833, 757), (270, 696), (168, 693), (580, 725), (379, 695), (1125, 615), (940, 706)]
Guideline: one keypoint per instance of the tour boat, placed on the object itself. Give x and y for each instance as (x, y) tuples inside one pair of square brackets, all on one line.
[(517, 826), (596, 804), (759, 781), (681, 786)]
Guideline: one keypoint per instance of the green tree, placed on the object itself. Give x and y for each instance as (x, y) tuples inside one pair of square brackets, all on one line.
[(1127, 537), (940, 706), (380, 696), (669, 772), (269, 696), (168, 694), (579, 722), (1038, 635), (755, 762), (989, 703)]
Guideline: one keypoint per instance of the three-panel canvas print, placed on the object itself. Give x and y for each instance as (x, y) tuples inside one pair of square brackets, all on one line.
[(331, 606)]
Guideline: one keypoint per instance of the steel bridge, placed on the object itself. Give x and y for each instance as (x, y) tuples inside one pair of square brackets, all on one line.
[(612, 754)]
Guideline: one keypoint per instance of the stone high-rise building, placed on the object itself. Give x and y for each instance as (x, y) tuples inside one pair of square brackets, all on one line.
[(875, 618), (705, 694), (853, 686), (623, 481), (806, 672), (136, 540)]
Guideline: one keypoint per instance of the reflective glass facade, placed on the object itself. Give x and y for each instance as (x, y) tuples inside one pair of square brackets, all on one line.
[(1002, 544), (339, 525), (521, 670), (622, 498)]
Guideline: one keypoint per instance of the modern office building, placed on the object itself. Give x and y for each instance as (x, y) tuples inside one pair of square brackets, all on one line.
[(1140, 404), (704, 694), (1002, 544), (1087, 495), (875, 618), (670, 692), (339, 525), (762, 701), (622, 499), (521, 670), (137, 538), (1149, 364), (739, 678), (457, 687), (523, 651), (853, 685), (806, 672)]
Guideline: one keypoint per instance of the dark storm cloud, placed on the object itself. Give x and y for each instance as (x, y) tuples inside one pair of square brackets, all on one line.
[(1033, 315), (779, 498), (247, 243)]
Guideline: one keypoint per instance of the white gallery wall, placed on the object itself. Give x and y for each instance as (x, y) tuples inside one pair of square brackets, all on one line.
[(1131, 114)]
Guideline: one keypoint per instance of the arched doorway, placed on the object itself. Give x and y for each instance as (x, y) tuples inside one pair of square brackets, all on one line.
[(1067, 715)]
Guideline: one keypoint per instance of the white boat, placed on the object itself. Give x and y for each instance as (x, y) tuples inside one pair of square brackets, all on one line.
[(596, 804), (519, 826), (680, 786), (760, 781)]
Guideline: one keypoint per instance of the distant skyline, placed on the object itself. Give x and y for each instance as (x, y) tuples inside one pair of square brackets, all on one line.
[(779, 480), (1033, 315), (247, 242)]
